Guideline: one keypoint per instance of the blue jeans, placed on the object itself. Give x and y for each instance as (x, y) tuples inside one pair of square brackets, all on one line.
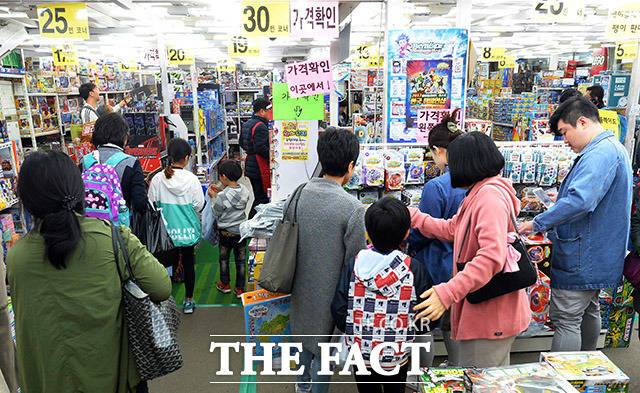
[(308, 379)]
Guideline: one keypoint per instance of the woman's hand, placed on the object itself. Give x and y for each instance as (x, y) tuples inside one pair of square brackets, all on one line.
[(432, 306)]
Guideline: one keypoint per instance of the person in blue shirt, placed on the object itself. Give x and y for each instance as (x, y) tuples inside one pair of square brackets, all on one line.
[(439, 200), (588, 225)]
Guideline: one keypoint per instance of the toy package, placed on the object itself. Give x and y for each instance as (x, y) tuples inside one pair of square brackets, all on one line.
[(443, 380), (619, 326), (414, 165), (373, 168), (266, 317), (588, 371), (411, 196), (357, 179), (368, 198), (531, 377), (394, 166)]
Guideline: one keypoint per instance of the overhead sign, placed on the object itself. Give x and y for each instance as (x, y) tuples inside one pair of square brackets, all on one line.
[(304, 108), (315, 19), (242, 46), (64, 56), (599, 61), (626, 50), (366, 56), (265, 18), (129, 66), (308, 78), (492, 54), (507, 62), (624, 20), (151, 56), (63, 20), (179, 56), (567, 11), (226, 66)]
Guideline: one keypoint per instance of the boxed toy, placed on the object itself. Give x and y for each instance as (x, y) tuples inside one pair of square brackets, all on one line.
[(443, 380), (588, 371), (621, 296), (531, 377), (618, 320), (266, 317)]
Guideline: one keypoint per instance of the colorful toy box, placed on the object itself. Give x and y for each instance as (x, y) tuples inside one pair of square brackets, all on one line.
[(618, 321), (266, 317), (531, 377), (443, 380), (588, 371)]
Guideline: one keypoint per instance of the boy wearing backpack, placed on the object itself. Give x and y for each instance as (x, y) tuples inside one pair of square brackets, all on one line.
[(376, 294)]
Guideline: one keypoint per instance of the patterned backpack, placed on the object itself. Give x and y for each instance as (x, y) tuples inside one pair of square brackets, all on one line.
[(103, 192)]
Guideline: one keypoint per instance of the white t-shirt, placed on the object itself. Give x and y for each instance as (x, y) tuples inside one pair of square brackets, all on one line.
[(89, 114)]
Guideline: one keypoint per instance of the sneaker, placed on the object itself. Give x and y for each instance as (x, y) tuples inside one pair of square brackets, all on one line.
[(223, 288), (238, 292), (188, 306)]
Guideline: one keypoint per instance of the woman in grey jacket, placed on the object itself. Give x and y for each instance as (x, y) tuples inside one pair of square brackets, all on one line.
[(331, 233)]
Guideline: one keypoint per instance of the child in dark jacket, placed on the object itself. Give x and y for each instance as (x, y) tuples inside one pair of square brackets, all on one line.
[(376, 294)]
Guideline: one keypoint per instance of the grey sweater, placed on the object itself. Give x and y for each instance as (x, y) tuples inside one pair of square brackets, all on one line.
[(229, 206), (331, 232)]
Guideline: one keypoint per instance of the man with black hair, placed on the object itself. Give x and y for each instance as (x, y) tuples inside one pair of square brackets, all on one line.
[(568, 93), (588, 225), (331, 233), (254, 139), (91, 96), (388, 277), (595, 93)]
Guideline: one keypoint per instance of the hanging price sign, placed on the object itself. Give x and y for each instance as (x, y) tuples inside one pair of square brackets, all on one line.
[(492, 54), (265, 18), (624, 20), (226, 66), (64, 57), (128, 66), (63, 20), (626, 50), (242, 46), (507, 62), (568, 11), (179, 56)]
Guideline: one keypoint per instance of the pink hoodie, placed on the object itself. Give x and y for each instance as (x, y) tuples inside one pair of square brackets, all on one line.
[(484, 253)]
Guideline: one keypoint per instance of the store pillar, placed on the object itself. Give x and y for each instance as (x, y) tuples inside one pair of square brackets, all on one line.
[(633, 107)]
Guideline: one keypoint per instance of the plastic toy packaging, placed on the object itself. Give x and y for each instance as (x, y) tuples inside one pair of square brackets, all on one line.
[(394, 165), (373, 168), (431, 170), (357, 180), (516, 172), (395, 179), (414, 164), (563, 170), (529, 172), (548, 174)]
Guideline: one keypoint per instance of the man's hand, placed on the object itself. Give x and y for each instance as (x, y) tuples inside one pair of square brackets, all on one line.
[(526, 227)]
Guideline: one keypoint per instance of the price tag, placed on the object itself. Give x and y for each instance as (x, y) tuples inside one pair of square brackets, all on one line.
[(242, 46), (492, 54), (63, 20), (571, 11), (507, 62), (626, 50), (64, 57), (179, 56), (129, 66), (265, 18), (624, 20)]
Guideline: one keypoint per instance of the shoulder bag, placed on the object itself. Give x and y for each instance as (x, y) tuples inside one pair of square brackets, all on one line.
[(153, 327), (503, 283)]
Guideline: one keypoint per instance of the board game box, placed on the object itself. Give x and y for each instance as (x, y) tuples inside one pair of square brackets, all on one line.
[(443, 380), (588, 372), (523, 378), (266, 317)]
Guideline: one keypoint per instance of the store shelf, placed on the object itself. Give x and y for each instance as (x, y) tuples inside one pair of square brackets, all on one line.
[(54, 132), (503, 124), (552, 88), (10, 204), (6, 75), (42, 94)]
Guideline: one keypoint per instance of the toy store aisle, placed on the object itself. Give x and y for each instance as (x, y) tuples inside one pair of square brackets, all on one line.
[(200, 365)]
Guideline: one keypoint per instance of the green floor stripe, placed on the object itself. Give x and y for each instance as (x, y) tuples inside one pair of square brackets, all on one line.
[(209, 283), (248, 387)]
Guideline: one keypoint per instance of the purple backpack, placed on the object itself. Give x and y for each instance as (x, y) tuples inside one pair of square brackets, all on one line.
[(103, 192), (631, 269)]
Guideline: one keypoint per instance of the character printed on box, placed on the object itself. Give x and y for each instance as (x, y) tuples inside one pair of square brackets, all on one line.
[(404, 46), (428, 86)]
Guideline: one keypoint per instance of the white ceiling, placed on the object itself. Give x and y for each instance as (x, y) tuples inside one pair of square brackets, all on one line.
[(120, 29)]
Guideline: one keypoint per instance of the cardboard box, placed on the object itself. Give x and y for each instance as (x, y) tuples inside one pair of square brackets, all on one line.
[(266, 317), (531, 377), (443, 380), (619, 326), (588, 371)]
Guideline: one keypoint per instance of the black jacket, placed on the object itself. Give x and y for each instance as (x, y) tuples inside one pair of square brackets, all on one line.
[(259, 144)]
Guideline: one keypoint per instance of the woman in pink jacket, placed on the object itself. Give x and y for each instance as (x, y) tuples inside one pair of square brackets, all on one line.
[(486, 331)]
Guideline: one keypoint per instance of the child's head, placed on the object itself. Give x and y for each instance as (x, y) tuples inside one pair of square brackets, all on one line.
[(229, 171), (387, 222)]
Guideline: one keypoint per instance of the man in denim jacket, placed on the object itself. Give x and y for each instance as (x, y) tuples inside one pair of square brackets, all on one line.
[(588, 225)]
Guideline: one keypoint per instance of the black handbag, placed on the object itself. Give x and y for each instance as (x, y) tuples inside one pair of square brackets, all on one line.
[(149, 228), (503, 283)]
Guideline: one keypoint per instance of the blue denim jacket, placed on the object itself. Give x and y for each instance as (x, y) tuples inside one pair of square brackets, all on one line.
[(589, 223)]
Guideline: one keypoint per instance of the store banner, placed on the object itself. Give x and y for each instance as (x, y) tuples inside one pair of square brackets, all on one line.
[(626, 50), (315, 19), (610, 121), (240, 46), (63, 20), (295, 140), (624, 20), (599, 61), (428, 87), (429, 118), (286, 107), (309, 78), (66, 56), (565, 11), (265, 18)]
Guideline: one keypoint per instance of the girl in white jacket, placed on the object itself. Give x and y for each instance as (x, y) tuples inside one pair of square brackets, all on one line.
[(179, 195)]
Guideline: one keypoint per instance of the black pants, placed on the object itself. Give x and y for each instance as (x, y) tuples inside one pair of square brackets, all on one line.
[(142, 387), (187, 255), (376, 383), (230, 242), (260, 196)]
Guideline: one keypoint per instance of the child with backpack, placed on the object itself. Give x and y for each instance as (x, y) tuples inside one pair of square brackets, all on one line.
[(376, 294), (178, 194), (229, 206)]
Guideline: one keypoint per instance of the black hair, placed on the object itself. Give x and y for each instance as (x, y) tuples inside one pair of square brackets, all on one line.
[(440, 135), (177, 150), (231, 169), (596, 92), (51, 189), (387, 222), (571, 110), (110, 128), (260, 103), (569, 93), (85, 89), (337, 148), (473, 157)]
